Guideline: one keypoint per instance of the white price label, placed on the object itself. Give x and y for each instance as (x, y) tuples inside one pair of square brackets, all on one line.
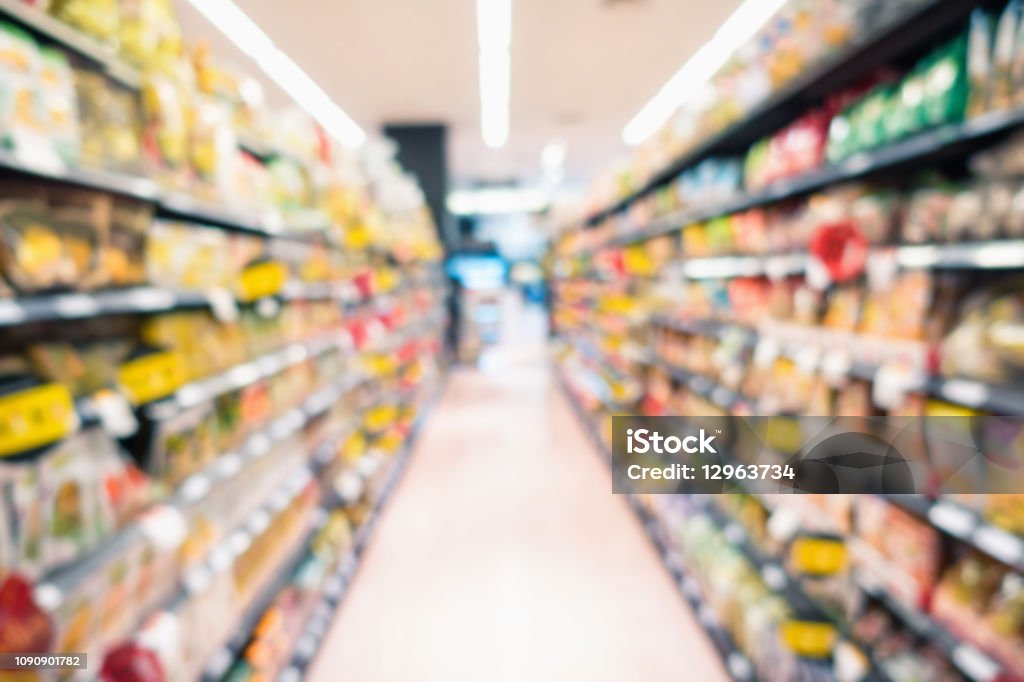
[(882, 267), (817, 275), (963, 392), (11, 312), (892, 383), (835, 366), (1004, 546), (115, 414), (164, 526), (37, 152), (954, 520), (766, 351), (223, 304), (76, 305)]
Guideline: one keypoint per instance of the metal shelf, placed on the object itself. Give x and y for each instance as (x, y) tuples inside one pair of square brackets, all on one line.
[(971, 661), (967, 526), (924, 148), (998, 399)]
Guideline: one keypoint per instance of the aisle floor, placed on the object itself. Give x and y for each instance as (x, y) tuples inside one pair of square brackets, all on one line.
[(503, 556)]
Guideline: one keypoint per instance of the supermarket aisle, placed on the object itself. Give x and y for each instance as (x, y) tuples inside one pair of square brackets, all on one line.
[(504, 556)]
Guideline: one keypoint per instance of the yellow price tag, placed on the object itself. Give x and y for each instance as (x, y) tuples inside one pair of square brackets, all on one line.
[(380, 417), (261, 280), (354, 447), (358, 237), (151, 377), (810, 639), (390, 442), (637, 261), (35, 417), (387, 279), (381, 365), (818, 556)]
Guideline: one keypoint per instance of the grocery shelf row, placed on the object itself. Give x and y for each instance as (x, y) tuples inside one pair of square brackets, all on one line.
[(150, 299), (922, 24), (736, 663), (865, 361), (974, 664), (309, 640), (171, 204), (925, 148), (963, 524), (193, 489)]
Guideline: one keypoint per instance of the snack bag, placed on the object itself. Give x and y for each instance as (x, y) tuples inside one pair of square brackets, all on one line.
[(21, 113), (32, 252), (1001, 96), (979, 62), (166, 136), (146, 29), (98, 18), (59, 102)]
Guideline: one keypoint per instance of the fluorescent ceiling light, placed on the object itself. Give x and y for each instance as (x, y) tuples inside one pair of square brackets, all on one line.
[(494, 34), (690, 79), (494, 24), (497, 201), (279, 67)]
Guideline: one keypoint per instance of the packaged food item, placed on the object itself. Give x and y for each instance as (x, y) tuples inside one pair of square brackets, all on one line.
[(109, 123), (59, 103), (213, 148), (131, 662), (1017, 69), (24, 626), (148, 28), (98, 18), (965, 212), (76, 514), (947, 86), (24, 516), (166, 132), (32, 252), (926, 214), (904, 552), (1001, 95), (21, 113), (982, 345), (188, 257), (82, 219), (124, 260), (979, 62)]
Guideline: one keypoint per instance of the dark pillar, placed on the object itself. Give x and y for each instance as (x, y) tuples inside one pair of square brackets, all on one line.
[(423, 151)]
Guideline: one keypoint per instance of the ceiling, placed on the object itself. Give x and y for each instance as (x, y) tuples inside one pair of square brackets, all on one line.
[(580, 68)]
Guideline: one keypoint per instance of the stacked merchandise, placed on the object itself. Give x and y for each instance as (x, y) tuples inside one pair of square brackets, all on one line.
[(219, 331), (861, 259)]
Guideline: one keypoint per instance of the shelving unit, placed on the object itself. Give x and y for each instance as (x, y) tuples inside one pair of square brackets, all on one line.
[(679, 273), (251, 445), (925, 23)]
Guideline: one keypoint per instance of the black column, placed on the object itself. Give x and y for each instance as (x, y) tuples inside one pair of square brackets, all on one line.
[(423, 151)]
